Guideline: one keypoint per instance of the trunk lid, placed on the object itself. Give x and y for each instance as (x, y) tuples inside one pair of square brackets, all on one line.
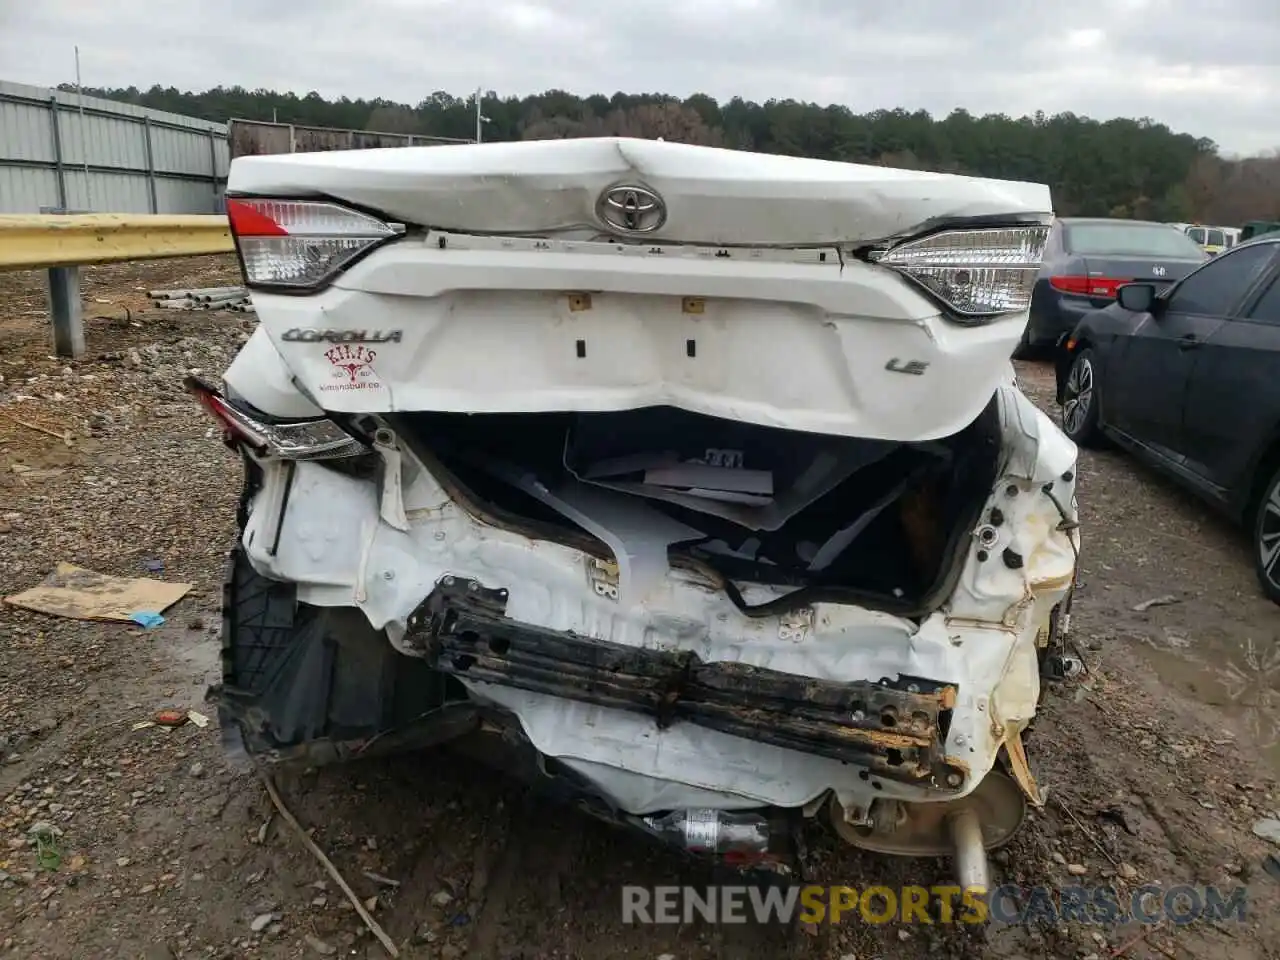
[(1159, 270), (676, 193)]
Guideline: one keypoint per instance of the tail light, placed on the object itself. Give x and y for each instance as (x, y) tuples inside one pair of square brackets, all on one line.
[(320, 439), (978, 274), (1101, 287), (300, 245)]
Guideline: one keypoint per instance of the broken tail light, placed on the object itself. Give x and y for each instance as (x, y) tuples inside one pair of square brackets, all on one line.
[(319, 439), (978, 274), (300, 245)]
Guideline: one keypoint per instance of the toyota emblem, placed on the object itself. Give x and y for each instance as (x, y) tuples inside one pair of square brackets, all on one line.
[(630, 209)]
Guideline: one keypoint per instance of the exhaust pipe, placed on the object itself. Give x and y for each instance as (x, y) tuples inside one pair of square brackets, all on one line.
[(968, 850)]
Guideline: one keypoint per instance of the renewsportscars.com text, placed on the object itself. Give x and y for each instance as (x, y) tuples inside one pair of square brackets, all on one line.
[(1179, 904)]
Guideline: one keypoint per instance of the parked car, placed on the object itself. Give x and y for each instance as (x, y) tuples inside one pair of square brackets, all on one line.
[(1087, 259), (1257, 228), (1185, 378), (691, 483), (1212, 240)]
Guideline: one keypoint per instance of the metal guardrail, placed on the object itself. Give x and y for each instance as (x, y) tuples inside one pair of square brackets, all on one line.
[(63, 242), (31, 241)]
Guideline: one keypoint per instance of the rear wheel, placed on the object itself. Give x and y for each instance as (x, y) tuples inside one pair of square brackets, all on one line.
[(1266, 539), (1080, 401), (1023, 350)]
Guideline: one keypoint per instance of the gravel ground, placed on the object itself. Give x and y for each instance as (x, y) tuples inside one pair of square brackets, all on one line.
[(1158, 764)]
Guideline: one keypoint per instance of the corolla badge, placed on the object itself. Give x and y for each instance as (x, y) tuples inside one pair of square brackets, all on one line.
[(629, 209), (1158, 270)]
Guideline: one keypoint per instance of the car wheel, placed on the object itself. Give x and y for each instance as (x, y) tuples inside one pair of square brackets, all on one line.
[(1023, 350), (1080, 401), (1266, 539)]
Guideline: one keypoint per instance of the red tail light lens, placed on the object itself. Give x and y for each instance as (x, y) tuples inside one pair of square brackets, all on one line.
[(224, 414), (300, 245), (1102, 287), (320, 439)]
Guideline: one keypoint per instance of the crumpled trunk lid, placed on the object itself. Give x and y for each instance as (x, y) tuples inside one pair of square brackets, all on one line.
[(703, 195)]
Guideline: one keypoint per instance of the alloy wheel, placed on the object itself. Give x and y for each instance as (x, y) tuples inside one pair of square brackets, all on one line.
[(1078, 396), (1268, 535)]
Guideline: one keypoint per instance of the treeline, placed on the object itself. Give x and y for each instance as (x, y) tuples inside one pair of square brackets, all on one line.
[(1120, 167)]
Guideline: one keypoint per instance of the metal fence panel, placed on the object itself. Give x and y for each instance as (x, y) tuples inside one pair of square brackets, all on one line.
[(253, 137), (18, 184), (60, 150), (27, 131), (187, 196), (107, 192)]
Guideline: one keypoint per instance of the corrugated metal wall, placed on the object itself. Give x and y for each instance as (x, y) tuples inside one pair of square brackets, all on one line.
[(251, 137), (101, 156)]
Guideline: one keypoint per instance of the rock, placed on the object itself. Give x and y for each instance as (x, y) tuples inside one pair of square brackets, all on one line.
[(319, 946), (196, 770), (261, 922), (43, 828), (449, 952), (1268, 829), (1059, 858), (425, 935), (1077, 869), (442, 899), (1127, 871)]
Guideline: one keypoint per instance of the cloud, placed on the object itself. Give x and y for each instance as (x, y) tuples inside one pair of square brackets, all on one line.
[(1199, 66)]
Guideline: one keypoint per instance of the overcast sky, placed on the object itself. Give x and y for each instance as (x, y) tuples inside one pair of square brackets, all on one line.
[(1207, 68)]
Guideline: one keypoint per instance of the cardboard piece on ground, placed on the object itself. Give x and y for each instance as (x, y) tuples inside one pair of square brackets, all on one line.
[(80, 594)]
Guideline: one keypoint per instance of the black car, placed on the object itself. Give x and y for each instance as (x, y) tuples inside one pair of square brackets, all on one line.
[(1188, 378), (1086, 260)]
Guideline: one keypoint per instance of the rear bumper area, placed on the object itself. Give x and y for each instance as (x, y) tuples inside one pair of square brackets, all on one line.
[(893, 728), (682, 698), (1057, 318)]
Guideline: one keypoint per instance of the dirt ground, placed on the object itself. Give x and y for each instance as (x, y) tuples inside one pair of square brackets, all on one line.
[(1157, 764)]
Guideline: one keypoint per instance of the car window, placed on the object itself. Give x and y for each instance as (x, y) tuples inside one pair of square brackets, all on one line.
[(1267, 309), (1217, 287), (1216, 238), (1121, 239), (1196, 234)]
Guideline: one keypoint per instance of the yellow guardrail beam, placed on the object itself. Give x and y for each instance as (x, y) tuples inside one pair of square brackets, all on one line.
[(31, 241)]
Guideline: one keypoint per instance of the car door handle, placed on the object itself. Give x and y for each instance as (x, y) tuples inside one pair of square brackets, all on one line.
[(1189, 342)]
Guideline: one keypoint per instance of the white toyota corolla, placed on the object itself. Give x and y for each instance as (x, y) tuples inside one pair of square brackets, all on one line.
[(693, 483)]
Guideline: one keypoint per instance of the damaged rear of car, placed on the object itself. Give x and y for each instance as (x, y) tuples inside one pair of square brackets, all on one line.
[(693, 484)]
